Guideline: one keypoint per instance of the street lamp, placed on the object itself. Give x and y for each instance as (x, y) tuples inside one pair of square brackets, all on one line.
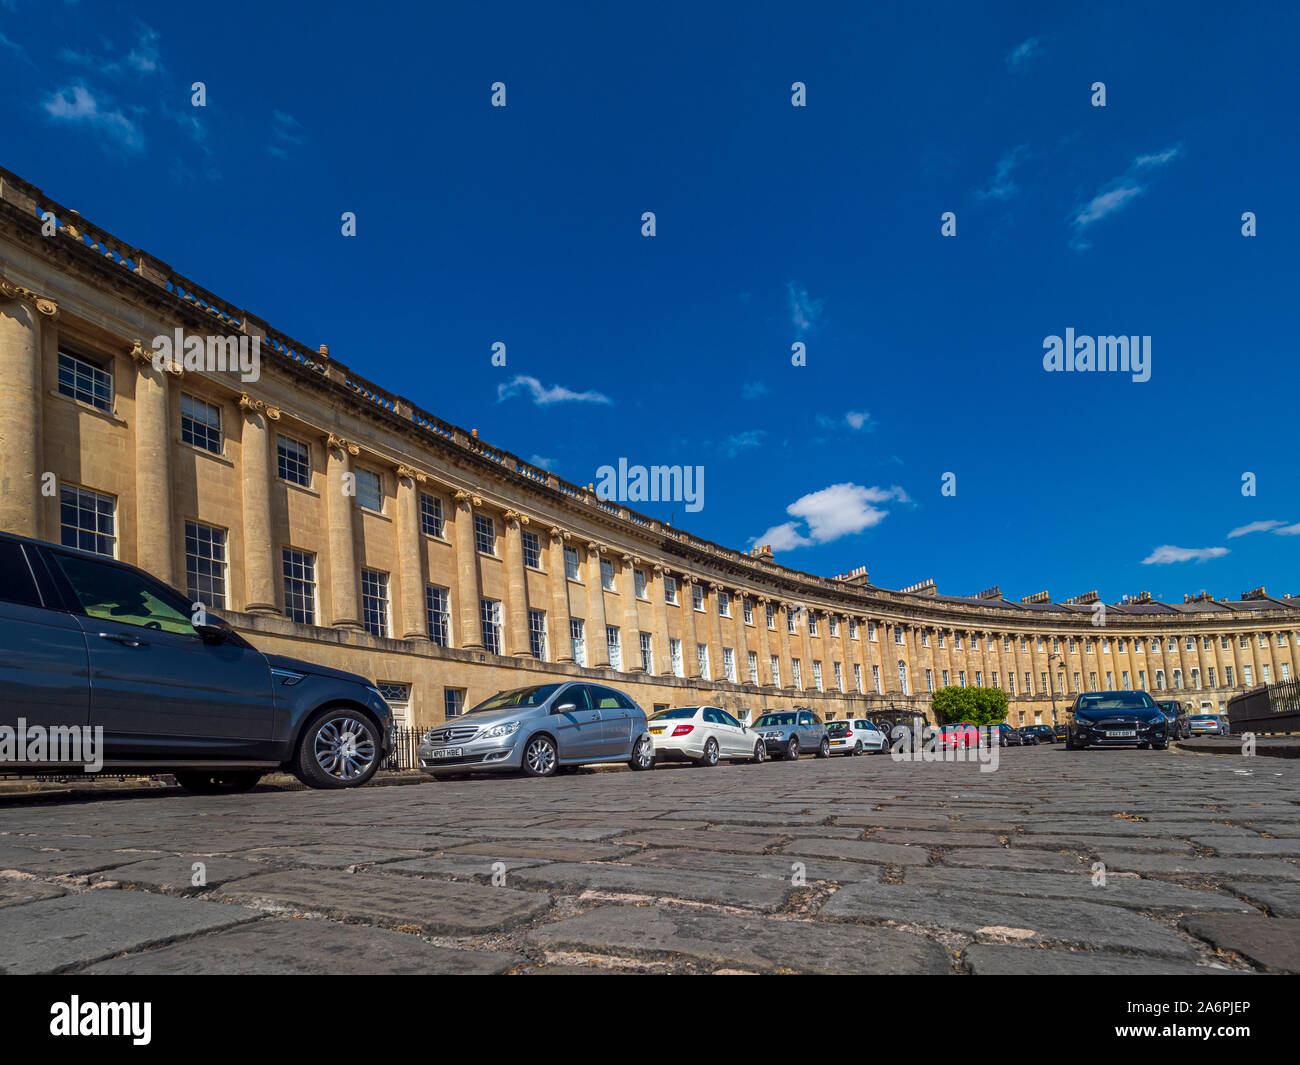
[(1054, 656)]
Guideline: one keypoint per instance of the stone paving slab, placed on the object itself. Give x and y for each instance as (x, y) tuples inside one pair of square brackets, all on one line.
[(714, 840), (988, 959), (1281, 900), (76, 929), (175, 874), (1196, 865), (1271, 943), (64, 862), (773, 866), (15, 892), (1129, 891), (858, 850), (434, 907), (331, 856), (288, 947), (1006, 858), (1097, 843), (751, 944), (1075, 924), (721, 888), (1255, 846), (554, 851), (923, 838), (461, 866)]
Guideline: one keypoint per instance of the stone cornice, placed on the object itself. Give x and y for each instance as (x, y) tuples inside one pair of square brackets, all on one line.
[(43, 304)]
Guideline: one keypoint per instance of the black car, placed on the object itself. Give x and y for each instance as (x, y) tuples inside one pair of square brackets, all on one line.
[(1028, 737), (1180, 727), (1116, 719), (93, 647), (1040, 733), (1059, 733), (1006, 735)]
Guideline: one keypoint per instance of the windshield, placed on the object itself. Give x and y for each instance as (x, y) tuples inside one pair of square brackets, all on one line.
[(1116, 701), (775, 720), (534, 696), (676, 713), (1204, 717)]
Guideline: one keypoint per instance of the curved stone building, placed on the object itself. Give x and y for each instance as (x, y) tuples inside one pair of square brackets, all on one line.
[(329, 518)]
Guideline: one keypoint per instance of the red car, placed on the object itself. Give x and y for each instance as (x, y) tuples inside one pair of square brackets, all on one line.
[(959, 735)]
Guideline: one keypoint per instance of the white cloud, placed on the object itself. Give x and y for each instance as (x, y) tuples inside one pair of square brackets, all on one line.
[(544, 397), (836, 511), (1257, 526), (1118, 193), (739, 442), (143, 57), (76, 104), (1002, 187), (857, 419), (805, 313), (1023, 52), (1289, 530), (1167, 553), (541, 461), (754, 389)]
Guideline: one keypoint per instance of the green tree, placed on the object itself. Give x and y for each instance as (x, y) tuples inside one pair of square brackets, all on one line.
[(979, 706)]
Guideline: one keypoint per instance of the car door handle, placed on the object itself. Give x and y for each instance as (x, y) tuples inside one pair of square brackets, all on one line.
[(122, 638)]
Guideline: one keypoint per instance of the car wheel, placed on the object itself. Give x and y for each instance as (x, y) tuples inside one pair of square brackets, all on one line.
[(643, 755), (760, 751), (824, 751), (540, 758), (792, 749), (218, 783), (1069, 742), (857, 748), (339, 749), (710, 753), (1160, 746)]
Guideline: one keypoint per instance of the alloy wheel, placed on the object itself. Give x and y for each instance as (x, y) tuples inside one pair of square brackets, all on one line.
[(344, 747)]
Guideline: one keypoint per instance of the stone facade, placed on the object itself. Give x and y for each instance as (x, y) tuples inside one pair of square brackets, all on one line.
[(311, 491)]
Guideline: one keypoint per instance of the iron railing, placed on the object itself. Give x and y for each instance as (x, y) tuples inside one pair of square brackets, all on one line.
[(1268, 708)]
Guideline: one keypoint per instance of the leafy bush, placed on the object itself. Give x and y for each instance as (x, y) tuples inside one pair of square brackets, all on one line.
[(979, 706)]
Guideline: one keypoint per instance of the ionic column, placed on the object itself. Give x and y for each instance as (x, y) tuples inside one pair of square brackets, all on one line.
[(631, 619), (468, 588), (410, 556), (561, 642), (783, 640), (659, 635), (846, 660), (21, 444), (764, 642), (690, 653), (518, 644), (344, 578), (805, 633), (597, 648), (716, 665), (740, 645), (153, 469), (255, 494)]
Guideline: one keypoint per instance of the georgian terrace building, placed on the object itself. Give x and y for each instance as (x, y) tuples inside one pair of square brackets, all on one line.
[(328, 518)]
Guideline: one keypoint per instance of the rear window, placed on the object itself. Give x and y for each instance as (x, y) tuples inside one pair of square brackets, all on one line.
[(775, 720), (677, 713), (837, 728)]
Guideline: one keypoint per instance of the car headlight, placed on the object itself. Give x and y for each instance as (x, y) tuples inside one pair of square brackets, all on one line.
[(506, 728)]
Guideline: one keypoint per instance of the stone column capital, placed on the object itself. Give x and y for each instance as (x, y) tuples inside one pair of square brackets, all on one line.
[(144, 360), (631, 560), (560, 535), (515, 519), (251, 406), (337, 443), (409, 473), (467, 499), (43, 304)]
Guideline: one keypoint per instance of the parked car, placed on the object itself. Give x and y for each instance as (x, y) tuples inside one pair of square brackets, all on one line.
[(1060, 731), (856, 736), (791, 732), (1040, 733), (959, 735), (90, 642), (1116, 719), (540, 729), (1028, 738), (1006, 735), (1207, 725), (1176, 714), (703, 735)]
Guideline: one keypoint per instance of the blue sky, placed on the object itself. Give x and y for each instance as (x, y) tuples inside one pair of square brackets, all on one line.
[(775, 224)]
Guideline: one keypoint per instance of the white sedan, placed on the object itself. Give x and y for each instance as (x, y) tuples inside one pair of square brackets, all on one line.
[(704, 735), (854, 736)]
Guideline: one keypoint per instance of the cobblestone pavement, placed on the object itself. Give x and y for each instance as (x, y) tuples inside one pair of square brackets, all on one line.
[(907, 868)]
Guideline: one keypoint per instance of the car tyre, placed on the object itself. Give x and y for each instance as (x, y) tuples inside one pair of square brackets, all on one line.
[(792, 749), (339, 748), (541, 759), (857, 748), (824, 751), (760, 752), (643, 755), (228, 783), (710, 757)]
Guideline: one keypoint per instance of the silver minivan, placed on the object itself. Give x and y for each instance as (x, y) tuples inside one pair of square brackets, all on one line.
[(540, 729)]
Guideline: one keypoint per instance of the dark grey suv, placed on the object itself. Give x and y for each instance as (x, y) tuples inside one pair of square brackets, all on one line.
[(90, 643)]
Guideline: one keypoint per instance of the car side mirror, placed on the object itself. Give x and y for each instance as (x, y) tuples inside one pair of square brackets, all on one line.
[(212, 633), (565, 708)]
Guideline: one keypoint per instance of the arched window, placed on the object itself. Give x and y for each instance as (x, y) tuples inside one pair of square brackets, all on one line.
[(902, 677)]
